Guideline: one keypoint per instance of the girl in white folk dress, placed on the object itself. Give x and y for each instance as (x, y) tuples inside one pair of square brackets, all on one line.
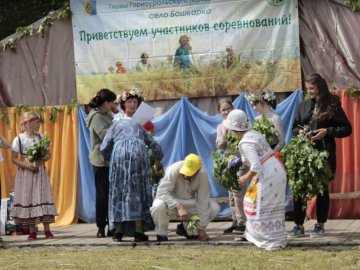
[(33, 200)]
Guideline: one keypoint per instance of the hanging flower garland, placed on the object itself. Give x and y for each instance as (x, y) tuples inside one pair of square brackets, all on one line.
[(62, 14), (54, 110)]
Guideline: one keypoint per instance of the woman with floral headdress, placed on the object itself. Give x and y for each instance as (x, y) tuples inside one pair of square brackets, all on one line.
[(130, 101), (264, 103), (265, 196), (126, 146)]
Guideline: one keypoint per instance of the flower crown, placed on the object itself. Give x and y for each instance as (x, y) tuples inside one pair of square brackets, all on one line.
[(129, 94), (265, 95)]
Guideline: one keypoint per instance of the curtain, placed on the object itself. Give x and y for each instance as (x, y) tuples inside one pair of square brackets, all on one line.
[(62, 168), (183, 129), (347, 177)]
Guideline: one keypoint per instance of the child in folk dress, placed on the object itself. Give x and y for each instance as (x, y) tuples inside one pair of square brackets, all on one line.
[(33, 200)]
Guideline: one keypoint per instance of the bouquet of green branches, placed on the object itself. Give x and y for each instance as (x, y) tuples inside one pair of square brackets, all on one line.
[(192, 223), (38, 150), (227, 164), (226, 169), (307, 168), (266, 128)]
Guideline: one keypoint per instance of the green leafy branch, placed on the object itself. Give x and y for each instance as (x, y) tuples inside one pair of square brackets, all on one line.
[(354, 4), (9, 44), (226, 168), (192, 223), (4, 114), (232, 142), (70, 106), (353, 91), (308, 170), (38, 150), (41, 110), (267, 128), (19, 109), (53, 113), (25, 31)]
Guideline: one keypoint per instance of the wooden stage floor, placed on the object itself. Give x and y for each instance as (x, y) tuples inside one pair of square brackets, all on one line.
[(339, 234)]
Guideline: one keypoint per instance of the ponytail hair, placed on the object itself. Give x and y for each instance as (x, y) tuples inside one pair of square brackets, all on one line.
[(102, 96)]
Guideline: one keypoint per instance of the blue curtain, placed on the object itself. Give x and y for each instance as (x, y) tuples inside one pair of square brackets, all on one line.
[(181, 130), (86, 183)]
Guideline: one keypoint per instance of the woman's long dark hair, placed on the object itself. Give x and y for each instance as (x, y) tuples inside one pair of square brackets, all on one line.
[(326, 102), (102, 96)]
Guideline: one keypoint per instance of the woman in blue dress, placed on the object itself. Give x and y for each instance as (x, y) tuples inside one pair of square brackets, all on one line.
[(130, 185)]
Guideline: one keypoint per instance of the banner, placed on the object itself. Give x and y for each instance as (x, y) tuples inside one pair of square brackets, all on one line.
[(174, 48)]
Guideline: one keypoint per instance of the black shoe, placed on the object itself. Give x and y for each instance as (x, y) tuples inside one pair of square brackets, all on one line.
[(140, 237), (110, 233), (230, 229), (117, 237), (100, 233), (161, 238), (240, 229), (180, 230)]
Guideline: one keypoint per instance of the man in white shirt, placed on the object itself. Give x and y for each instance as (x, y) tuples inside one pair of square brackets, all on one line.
[(185, 191)]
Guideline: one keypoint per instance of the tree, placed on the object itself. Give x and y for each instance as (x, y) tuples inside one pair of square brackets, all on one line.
[(23, 13)]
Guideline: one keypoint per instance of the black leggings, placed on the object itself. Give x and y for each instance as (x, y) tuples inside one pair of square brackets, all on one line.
[(322, 209), (101, 175)]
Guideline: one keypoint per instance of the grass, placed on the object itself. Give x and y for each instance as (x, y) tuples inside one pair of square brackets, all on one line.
[(206, 79), (170, 257)]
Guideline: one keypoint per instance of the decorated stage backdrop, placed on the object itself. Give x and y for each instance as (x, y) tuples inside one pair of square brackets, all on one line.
[(176, 48), (182, 129)]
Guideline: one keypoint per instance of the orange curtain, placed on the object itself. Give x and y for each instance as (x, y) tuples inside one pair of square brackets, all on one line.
[(62, 168), (347, 178)]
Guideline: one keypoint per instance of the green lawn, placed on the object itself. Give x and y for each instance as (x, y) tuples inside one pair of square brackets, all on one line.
[(197, 257)]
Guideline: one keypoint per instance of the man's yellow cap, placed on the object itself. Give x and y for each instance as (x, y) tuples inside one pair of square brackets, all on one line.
[(192, 164)]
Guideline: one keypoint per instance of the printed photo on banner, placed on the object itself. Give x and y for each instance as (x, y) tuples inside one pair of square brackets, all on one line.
[(194, 48)]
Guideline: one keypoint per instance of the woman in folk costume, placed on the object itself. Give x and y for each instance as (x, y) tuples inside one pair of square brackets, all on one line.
[(265, 197), (126, 146), (264, 103), (33, 200)]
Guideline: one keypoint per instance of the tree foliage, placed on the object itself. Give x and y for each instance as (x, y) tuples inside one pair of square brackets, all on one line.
[(22, 13)]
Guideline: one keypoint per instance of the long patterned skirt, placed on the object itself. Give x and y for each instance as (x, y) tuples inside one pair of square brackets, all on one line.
[(33, 200), (130, 186), (264, 206)]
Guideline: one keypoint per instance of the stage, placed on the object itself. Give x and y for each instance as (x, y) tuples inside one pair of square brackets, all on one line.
[(339, 234)]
